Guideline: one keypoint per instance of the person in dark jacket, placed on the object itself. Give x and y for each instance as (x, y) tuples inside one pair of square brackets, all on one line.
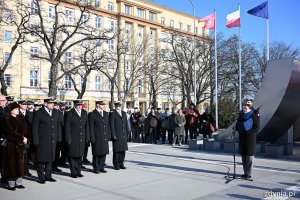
[(3, 111), (16, 133), (58, 144), (46, 132), (134, 119), (247, 127), (28, 116), (100, 136), (153, 118), (207, 121), (119, 133), (77, 135), (171, 125)]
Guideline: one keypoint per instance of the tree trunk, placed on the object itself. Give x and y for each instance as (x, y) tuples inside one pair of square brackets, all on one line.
[(112, 89), (53, 85), (3, 84)]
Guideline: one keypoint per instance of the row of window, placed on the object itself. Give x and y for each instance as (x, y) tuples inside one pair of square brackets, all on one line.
[(34, 81)]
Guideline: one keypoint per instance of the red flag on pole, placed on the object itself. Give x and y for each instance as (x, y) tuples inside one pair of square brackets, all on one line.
[(209, 21), (233, 19)]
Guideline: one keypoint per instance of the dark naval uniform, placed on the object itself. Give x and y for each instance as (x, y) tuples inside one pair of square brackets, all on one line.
[(77, 134), (46, 132), (119, 131), (100, 136)]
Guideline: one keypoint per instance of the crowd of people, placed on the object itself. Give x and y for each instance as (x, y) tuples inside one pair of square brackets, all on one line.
[(48, 136), (53, 135), (174, 127)]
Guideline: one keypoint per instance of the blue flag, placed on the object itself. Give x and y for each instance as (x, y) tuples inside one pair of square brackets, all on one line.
[(260, 11)]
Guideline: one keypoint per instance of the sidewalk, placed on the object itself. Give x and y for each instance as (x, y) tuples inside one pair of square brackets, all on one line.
[(164, 172)]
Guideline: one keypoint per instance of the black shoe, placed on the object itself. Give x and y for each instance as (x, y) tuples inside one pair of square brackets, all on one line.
[(96, 171), (117, 168), (11, 188), (50, 179), (85, 160), (20, 186), (122, 167), (248, 178), (28, 174), (73, 176), (103, 171), (244, 176), (56, 169), (83, 167), (41, 181), (80, 175)]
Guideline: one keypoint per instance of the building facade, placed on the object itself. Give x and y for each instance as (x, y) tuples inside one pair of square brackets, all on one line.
[(28, 74)]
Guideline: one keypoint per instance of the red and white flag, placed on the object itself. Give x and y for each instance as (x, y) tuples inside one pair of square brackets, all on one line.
[(209, 21), (233, 19)]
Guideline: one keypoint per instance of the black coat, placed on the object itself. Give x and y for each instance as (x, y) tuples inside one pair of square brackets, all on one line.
[(119, 131), (28, 118), (77, 132), (247, 140), (46, 132), (15, 128), (100, 132)]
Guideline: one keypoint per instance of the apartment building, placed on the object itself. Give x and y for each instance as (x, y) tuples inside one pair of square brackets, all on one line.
[(28, 76)]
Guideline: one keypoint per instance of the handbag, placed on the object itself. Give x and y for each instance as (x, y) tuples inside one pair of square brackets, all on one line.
[(3, 142), (212, 127)]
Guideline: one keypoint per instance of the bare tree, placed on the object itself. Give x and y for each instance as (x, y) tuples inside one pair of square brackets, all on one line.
[(61, 30), (16, 20)]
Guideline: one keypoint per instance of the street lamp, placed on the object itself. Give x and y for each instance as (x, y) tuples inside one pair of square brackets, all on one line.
[(194, 48)]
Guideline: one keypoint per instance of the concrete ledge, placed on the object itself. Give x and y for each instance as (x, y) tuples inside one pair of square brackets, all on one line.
[(263, 145), (274, 151), (288, 149), (228, 147), (194, 144), (258, 148), (211, 145)]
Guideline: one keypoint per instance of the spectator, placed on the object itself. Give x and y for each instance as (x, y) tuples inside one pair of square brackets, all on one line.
[(191, 120), (207, 123), (164, 125), (179, 128)]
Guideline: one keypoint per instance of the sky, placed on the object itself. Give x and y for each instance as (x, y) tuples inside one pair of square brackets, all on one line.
[(284, 18)]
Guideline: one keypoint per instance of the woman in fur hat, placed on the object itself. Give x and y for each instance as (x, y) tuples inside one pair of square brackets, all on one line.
[(16, 133)]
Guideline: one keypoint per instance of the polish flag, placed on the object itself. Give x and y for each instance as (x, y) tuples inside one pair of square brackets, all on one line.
[(233, 19)]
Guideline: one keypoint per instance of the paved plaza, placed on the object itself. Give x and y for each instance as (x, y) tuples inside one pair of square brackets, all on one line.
[(165, 172)]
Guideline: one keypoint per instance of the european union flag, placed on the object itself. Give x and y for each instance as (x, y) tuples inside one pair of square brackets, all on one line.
[(260, 11)]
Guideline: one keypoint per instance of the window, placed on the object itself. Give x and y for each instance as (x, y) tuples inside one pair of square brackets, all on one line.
[(97, 3), (188, 28), (51, 12), (111, 24), (110, 44), (128, 28), (127, 64), (34, 51), (140, 13), (162, 20), (49, 78), (6, 56), (140, 31), (196, 30), (127, 84), (33, 29), (7, 36), (97, 82), (152, 35), (127, 10), (163, 36), (68, 57), (140, 86), (68, 82), (84, 20), (33, 8), (110, 6), (69, 15), (171, 23), (151, 16), (7, 79), (109, 84), (180, 25), (34, 74), (98, 22), (81, 80)]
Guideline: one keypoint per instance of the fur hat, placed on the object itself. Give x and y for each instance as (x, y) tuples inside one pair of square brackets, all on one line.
[(13, 106)]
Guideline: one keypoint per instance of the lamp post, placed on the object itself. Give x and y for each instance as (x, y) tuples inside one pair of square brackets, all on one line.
[(194, 48)]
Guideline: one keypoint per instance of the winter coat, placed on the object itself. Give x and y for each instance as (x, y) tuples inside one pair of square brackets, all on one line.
[(171, 121), (247, 139), (46, 132), (191, 117), (119, 131), (100, 132), (180, 122), (77, 132), (14, 153), (165, 123)]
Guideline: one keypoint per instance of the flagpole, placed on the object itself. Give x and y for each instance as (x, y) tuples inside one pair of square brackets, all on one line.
[(240, 68), (268, 42), (216, 73)]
